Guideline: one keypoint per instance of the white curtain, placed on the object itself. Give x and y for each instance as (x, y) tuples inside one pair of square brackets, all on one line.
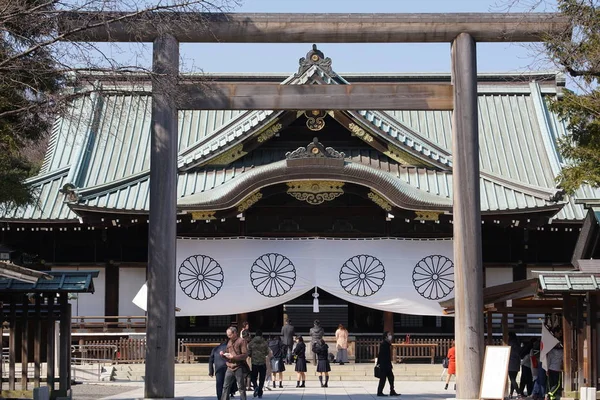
[(236, 275)]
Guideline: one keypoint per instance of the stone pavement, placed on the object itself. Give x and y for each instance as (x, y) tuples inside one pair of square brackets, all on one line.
[(339, 390)]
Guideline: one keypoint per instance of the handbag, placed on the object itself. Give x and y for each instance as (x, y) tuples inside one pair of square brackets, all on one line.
[(377, 371), (445, 362), (275, 364)]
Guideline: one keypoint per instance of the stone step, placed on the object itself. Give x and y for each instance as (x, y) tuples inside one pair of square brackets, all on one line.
[(349, 372)]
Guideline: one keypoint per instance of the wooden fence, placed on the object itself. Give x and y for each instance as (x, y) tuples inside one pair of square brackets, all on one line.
[(134, 350)]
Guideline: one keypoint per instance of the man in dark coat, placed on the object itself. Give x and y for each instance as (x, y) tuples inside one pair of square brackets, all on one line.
[(316, 334), (217, 367), (384, 359), (287, 337)]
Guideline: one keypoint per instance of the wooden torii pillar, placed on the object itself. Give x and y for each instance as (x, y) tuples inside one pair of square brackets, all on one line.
[(314, 28)]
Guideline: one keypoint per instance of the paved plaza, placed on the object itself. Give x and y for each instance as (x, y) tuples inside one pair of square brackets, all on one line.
[(205, 390)]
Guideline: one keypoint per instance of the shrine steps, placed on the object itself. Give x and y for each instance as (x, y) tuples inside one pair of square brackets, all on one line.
[(348, 372)]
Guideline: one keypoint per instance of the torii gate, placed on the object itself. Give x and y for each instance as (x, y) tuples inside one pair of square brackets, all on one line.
[(461, 30)]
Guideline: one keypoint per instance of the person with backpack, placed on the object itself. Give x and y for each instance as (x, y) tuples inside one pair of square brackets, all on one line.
[(277, 364), (322, 351)]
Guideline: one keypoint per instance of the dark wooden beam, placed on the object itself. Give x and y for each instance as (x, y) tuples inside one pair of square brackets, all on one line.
[(162, 228), (313, 28), (274, 96), (468, 262), (567, 327), (64, 351)]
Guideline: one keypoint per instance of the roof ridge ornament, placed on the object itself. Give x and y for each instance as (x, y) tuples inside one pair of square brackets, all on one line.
[(314, 150), (315, 57)]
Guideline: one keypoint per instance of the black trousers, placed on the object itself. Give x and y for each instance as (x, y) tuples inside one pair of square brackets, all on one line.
[(514, 386), (554, 384), (259, 371), (386, 374), (232, 377), (526, 380)]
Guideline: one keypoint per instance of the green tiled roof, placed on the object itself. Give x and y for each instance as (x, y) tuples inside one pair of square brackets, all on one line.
[(569, 281), (62, 281), (102, 149)]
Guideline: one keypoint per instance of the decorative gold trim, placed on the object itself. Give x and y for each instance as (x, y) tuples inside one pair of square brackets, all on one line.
[(315, 119), (397, 154), (229, 156), (315, 192), (249, 201), (203, 215), (360, 132), (427, 215), (269, 133), (380, 201)]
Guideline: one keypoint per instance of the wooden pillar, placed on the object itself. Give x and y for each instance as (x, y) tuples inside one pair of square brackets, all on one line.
[(490, 329), (504, 328), (50, 349), (64, 367), (567, 343), (37, 341), (162, 230), (467, 220), (588, 345), (12, 343), (388, 321), (24, 341)]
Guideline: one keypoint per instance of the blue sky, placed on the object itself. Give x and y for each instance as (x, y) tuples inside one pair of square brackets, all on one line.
[(377, 58), (492, 57)]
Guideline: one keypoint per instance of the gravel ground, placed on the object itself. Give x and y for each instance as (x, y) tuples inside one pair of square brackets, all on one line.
[(93, 392)]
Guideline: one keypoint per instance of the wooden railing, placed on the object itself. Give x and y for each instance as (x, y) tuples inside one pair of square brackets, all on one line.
[(121, 323), (198, 348)]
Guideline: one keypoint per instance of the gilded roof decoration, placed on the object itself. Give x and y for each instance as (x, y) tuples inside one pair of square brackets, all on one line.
[(204, 215), (315, 57), (315, 192), (229, 156), (249, 201), (380, 201), (269, 132), (427, 215), (315, 119), (360, 132), (314, 150)]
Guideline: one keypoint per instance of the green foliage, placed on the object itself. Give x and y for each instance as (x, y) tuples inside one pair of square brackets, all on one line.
[(579, 55)]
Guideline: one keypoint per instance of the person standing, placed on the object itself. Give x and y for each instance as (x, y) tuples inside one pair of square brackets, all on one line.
[(316, 334), (287, 336), (555, 366), (237, 367), (526, 373), (322, 351), (217, 368), (258, 351), (341, 338), (384, 359), (245, 334), (451, 364), (277, 365), (300, 353), (514, 363)]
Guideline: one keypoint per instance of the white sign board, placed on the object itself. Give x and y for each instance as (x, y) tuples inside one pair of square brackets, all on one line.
[(495, 372)]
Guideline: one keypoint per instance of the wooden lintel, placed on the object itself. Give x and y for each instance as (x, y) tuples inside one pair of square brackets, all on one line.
[(274, 96), (313, 28)]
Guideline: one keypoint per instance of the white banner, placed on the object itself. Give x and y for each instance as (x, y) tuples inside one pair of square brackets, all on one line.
[(224, 276)]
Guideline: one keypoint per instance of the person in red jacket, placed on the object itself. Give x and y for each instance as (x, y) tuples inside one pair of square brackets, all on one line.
[(451, 364)]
